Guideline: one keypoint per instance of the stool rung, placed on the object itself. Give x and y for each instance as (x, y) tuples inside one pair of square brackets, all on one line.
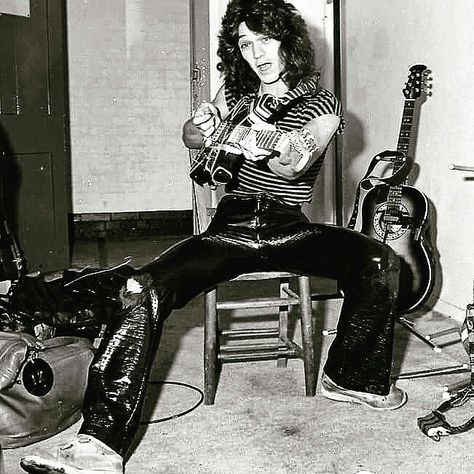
[(326, 296), (257, 355), (252, 347), (271, 332), (288, 347), (291, 293), (257, 303)]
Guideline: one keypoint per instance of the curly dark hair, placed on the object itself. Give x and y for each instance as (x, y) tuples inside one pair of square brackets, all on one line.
[(279, 20)]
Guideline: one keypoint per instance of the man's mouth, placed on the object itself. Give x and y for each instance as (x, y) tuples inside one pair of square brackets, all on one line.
[(264, 67)]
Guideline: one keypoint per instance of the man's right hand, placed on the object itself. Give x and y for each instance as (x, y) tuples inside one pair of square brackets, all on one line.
[(206, 118)]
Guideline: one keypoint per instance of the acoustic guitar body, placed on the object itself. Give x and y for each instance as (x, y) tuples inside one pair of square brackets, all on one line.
[(409, 237)]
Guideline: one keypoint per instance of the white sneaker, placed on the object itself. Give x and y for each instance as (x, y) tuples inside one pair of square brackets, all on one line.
[(396, 398), (83, 455)]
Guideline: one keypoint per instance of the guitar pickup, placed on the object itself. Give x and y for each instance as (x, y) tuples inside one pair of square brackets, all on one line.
[(392, 219)]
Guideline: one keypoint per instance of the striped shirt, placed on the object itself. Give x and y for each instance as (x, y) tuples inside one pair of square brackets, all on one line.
[(254, 178)]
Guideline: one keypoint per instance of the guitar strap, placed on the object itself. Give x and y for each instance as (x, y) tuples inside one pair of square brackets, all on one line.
[(250, 105), (366, 183)]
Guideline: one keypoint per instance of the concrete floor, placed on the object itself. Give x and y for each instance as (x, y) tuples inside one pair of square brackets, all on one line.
[(262, 422)]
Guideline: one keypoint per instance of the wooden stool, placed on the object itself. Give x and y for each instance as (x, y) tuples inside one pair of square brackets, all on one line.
[(249, 347)]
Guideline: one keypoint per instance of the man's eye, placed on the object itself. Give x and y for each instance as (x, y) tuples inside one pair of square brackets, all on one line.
[(266, 39)]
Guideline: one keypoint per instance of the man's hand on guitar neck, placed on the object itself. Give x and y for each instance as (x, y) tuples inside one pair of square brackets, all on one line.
[(302, 147), (249, 143), (292, 148)]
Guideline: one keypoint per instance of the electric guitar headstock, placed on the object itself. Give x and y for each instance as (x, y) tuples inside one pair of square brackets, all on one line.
[(418, 85)]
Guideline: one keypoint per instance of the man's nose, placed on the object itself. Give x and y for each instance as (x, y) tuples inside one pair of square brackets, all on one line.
[(257, 51)]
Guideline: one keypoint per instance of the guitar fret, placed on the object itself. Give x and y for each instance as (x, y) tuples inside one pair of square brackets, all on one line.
[(265, 140), (239, 133), (276, 139), (276, 135), (405, 128), (268, 139)]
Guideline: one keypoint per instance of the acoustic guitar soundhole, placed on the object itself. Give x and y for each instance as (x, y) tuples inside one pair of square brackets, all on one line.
[(386, 228)]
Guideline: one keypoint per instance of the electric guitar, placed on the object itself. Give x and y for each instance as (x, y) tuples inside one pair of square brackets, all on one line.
[(216, 161), (399, 215)]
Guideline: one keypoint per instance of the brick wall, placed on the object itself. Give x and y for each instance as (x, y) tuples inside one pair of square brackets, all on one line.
[(132, 224), (129, 93)]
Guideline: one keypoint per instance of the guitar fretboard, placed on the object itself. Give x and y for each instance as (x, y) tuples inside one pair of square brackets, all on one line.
[(394, 197), (406, 126), (267, 139)]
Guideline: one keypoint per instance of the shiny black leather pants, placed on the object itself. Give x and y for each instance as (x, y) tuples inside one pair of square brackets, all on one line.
[(248, 233)]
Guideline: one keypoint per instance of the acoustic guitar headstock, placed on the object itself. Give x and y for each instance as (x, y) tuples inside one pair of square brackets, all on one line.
[(418, 84)]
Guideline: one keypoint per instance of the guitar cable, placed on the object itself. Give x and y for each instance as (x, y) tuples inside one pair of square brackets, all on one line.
[(179, 414)]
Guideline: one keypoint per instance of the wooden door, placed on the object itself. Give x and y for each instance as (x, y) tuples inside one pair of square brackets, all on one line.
[(34, 132)]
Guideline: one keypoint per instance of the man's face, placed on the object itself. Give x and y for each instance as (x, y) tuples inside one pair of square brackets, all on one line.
[(262, 53)]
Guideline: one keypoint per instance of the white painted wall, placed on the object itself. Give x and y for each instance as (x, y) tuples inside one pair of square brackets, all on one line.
[(383, 38), (129, 74)]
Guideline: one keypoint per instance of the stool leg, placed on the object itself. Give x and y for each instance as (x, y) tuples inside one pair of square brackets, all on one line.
[(283, 320), (307, 332), (210, 347)]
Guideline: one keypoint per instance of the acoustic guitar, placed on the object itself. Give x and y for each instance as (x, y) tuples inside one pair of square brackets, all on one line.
[(400, 215)]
